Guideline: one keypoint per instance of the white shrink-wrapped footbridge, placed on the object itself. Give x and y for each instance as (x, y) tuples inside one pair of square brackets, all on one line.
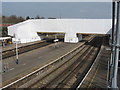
[(27, 31)]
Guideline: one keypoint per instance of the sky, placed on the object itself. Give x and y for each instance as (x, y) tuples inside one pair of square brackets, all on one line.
[(65, 10)]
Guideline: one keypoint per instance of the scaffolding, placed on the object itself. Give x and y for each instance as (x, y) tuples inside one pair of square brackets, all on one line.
[(113, 66)]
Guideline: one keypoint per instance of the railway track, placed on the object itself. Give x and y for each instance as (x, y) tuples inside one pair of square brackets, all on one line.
[(70, 73), (62, 72), (12, 52)]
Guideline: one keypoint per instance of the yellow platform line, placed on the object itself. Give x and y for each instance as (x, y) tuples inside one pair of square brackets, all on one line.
[(93, 77)]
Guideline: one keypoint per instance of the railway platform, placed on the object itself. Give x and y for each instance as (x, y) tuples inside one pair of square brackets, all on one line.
[(13, 46), (97, 77), (10, 51), (30, 62)]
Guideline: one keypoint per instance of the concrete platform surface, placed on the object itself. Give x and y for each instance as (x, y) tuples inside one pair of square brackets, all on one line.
[(97, 78), (34, 59)]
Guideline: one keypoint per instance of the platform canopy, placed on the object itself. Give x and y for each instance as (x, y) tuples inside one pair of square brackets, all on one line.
[(27, 31)]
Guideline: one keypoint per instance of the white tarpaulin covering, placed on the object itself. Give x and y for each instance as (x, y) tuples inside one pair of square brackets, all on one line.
[(27, 31)]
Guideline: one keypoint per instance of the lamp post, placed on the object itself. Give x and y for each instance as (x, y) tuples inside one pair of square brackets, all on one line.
[(17, 62), (56, 40), (16, 42)]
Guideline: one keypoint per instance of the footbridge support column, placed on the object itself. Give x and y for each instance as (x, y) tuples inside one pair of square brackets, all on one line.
[(72, 37)]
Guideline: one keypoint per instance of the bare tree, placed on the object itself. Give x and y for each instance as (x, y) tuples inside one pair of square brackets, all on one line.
[(27, 17), (37, 17), (42, 17)]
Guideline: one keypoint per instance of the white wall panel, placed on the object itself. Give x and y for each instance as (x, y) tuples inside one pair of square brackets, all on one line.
[(27, 30)]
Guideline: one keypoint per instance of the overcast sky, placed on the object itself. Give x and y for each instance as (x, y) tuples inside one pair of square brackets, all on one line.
[(76, 10)]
